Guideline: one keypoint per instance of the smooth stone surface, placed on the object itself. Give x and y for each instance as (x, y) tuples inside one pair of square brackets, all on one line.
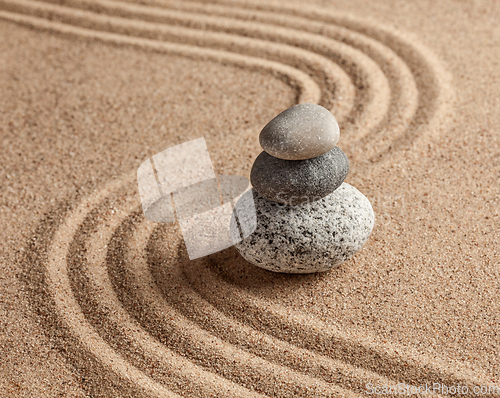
[(308, 238), (299, 181), (303, 131)]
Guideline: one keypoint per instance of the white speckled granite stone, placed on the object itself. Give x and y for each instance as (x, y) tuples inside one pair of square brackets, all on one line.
[(300, 132), (311, 237)]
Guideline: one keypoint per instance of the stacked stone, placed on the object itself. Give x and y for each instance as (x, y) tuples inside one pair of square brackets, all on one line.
[(308, 218), (301, 162)]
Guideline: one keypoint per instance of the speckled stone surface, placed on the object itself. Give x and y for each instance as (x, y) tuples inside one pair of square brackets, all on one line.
[(308, 238), (299, 181), (302, 131)]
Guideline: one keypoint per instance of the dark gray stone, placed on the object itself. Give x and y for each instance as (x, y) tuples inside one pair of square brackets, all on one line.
[(308, 238), (299, 181)]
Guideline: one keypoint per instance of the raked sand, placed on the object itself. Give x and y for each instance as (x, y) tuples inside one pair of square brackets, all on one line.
[(97, 301)]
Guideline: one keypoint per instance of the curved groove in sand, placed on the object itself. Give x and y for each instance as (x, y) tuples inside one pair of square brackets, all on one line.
[(382, 66), (78, 279), (84, 243), (373, 98), (142, 298), (79, 282), (93, 289), (386, 58), (399, 96), (158, 314), (175, 293), (329, 75), (420, 86), (359, 350), (70, 314), (373, 95), (433, 81), (346, 64), (308, 89)]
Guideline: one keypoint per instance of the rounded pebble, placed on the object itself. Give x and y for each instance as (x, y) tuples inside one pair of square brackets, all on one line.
[(295, 182), (309, 238), (303, 131)]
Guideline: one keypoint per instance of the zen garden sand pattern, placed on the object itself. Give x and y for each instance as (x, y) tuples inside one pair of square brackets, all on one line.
[(97, 301)]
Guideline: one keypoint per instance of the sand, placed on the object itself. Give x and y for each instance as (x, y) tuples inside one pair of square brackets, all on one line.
[(97, 301)]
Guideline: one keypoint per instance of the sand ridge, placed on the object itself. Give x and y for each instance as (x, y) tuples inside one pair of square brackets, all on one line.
[(298, 48), (132, 348), (123, 302)]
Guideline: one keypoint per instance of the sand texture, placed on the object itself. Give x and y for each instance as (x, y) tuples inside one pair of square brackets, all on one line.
[(97, 301)]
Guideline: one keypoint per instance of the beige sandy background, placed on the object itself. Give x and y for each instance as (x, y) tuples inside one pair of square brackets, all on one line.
[(95, 301)]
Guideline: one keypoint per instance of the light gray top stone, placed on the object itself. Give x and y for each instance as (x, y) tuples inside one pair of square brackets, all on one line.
[(303, 131)]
